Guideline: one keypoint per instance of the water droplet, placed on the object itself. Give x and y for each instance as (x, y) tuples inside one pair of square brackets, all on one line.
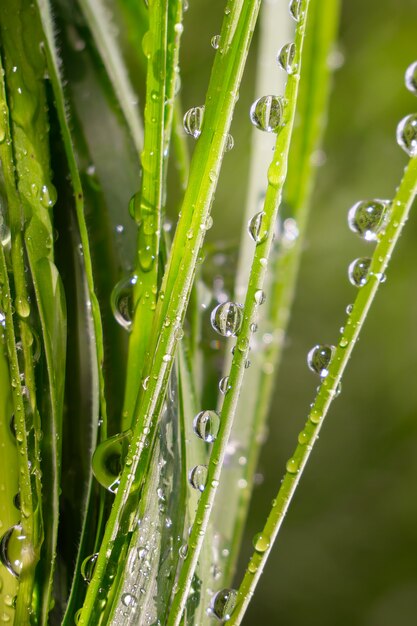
[(183, 551), (193, 121), (411, 78), (407, 134), (224, 385), (226, 318), (129, 600), (22, 307), (261, 542), (230, 142), (198, 477), (223, 604), (122, 301), (14, 551), (255, 229), (48, 196), (349, 309), (292, 466), (358, 271), (286, 56), (215, 42), (295, 9), (266, 113), (5, 235), (108, 460), (367, 217), (206, 425), (147, 44), (318, 359), (303, 438), (88, 566), (260, 296)]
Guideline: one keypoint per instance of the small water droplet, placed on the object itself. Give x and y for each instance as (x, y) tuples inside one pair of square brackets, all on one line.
[(349, 309), (48, 196), (367, 217), (129, 600), (407, 134), (295, 9), (183, 551), (261, 542), (292, 466), (318, 359), (230, 142), (255, 228), (226, 318), (224, 385), (198, 477), (266, 113), (411, 78), (108, 460), (193, 121), (88, 566), (206, 425), (22, 307), (122, 301), (260, 296), (215, 42), (223, 603), (358, 271), (286, 56)]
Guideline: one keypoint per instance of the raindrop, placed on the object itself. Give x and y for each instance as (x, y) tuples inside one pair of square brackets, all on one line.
[(5, 235), (193, 121), (286, 56), (183, 551), (224, 385), (358, 271), (411, 78), (108, 460), (292, 466), (206, 425), (13, 552), (266, 113), (198, 477), (367, 217), (318, 359), (230, 142), (407, 134), (215, 42), (349, 309), (129, 600), (48, 196), (88, 566), (295, 9), (22, 307), (255, 229), (261, 542), (226, 318), (260, 296), (122, 301), (223, 604)]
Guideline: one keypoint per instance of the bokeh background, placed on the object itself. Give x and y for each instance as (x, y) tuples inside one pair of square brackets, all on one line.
[(347, 551)]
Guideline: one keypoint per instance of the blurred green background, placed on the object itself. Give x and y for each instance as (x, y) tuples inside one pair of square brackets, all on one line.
[(348, 547)]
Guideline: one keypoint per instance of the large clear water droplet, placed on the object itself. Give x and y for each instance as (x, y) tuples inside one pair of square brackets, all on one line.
[(206, 425), (226, 318), (215, 42), (266, 113), (411, 78), (108, 460), (193, 121), (122, 302), (129, 600), (198, 477), (407, 134), (295, 9), (224, 385), (286, 56), (223, 604), (230, 142), (14, 551), (358, 271), (88, 566), (255, 227), (318, 359), (261, 542), (367, 217)]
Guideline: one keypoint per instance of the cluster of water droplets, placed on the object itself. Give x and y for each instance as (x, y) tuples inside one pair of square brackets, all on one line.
[(407, 128)]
